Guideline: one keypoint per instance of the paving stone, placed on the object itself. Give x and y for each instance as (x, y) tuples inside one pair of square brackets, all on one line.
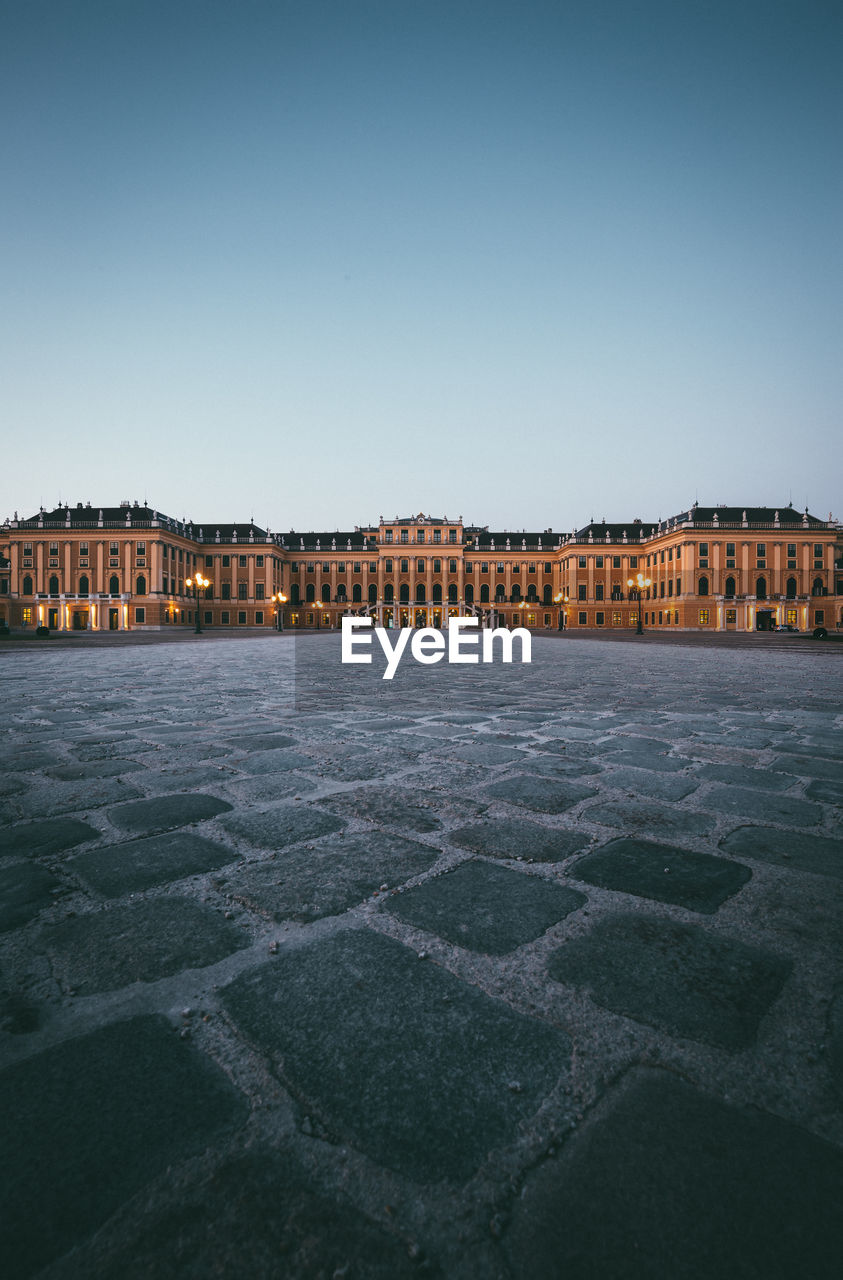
[(423, 1073), (13, 786), (676, 977), (93, 769), (357, 764), (24, 759), (116, 869), (41, 838), (807, 767), (46, 799), (791, 849), (835, 1042), (648, 758), (825, 790), (166, 812), (89, 1123), (739, 776), (113, 750), (25, 888), (137, 942), (267, 788), (308, 883), (517, 838), (489, 753), (544, 795), (645, 782), (275, 761), (260, 741), (638, 817), (282, 825), (258, 1216), (772, 808), (485, 908), (670, 1183), (391, 806), (185, 778), (697, 881)]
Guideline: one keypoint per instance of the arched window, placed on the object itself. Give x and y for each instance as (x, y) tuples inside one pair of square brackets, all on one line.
[(452, 593), (817, 587), (326, 593), (761, 588), (27, 585), (294, 594), (404, 593), (310, 593), (531, 592), (546, 596), (437, 593), (373, 593), (420, 593), (484, 593), (54, 585), (140, 585), (84, 585), (516, 592), (730, 587), (356, 593), (469, 593), (500, 594), (388, 593), (341, 591), (702, 586), (114, 585), (790, 589)]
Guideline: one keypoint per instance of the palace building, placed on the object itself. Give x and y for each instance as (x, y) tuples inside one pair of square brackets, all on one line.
[(705, 569)]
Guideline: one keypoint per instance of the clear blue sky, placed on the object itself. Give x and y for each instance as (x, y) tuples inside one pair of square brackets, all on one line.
[(524, 262)]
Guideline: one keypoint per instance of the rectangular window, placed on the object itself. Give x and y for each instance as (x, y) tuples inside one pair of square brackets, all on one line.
[(616, 619), (761, 564), (731, 617), (661, 590), (616, 562), (581, 591), (373, 566), (114, 550), (27, 616), (226, 562), (703, 548), (598, 562), (661, 557), (387, 535), (140, 614), (259, 591), (225, 617), (818, 551), (633, 562), (484, 566), (452, 535), (598, 591), (311, 566), (819, 617), (405, 536), (241, 560), (660, 617), (259, 561), (420, 566), (326, 566), (358, 568), (670, 586), (226, 591), (791, 550), (405, 566), (531, 619), (761, 550), (259, 617), (599, 618), (501, 566), (581, 561), (209, 562), (388, 565), (548, 566), (437, 535), (704, 615), (208, 617), (452, 566), (241, 618), (583, 619), (27, 548), (670, 553), (242, 588)]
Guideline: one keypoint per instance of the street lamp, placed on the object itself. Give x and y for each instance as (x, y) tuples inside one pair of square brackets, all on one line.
[(195, 584), (279, 600), (559, 599), (636, 587)]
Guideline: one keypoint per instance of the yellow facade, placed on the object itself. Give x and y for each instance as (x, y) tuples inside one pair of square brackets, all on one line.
[(713, 569)]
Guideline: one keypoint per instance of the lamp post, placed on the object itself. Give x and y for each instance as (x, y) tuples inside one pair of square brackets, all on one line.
[(559, 599), (279, 600), (637, 586), (195, 584)]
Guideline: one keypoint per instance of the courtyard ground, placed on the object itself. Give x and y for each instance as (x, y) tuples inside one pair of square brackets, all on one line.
[(496, 971)]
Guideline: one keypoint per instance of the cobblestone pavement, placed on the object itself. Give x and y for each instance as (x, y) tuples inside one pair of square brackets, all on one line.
[(496, 971)]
